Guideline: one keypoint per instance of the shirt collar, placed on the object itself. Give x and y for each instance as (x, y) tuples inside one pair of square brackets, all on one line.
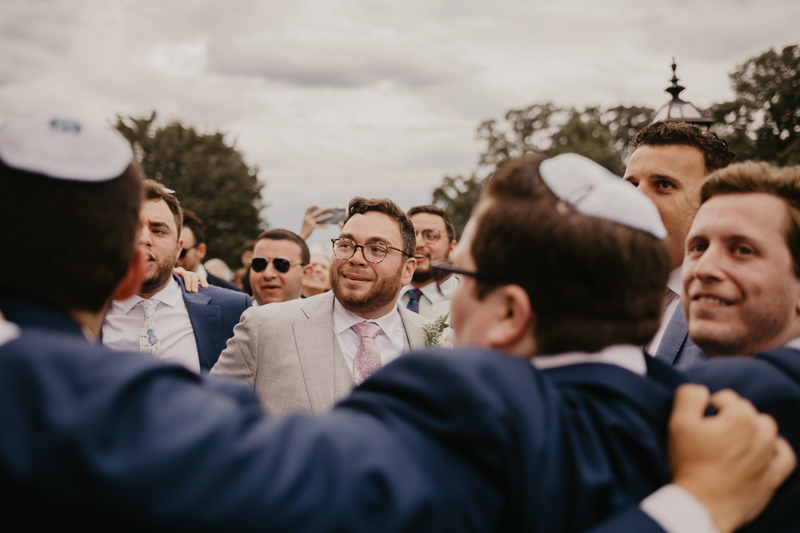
[(625, 356), (794, 343), (168, 296), (674, 281), (343, 319), (201, 271), (432, 293)]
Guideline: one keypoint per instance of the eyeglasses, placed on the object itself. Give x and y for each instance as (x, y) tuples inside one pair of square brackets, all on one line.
[(430, 235), (281, 264), (373, 252), (441, 268), (185, 251)]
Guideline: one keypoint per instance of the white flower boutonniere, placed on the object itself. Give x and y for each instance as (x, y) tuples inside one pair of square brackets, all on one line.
[(433, 331)]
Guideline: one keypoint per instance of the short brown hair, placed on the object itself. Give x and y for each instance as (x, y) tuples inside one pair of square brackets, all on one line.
[(153, 190), (359, 206), (84, 231), (286, 235), (750, 177), (591, 282), (673, 132), (438, 211), (195, 225)]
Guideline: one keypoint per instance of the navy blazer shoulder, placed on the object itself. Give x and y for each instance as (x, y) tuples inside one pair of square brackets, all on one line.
[(771, 381), (213, 312), (223, 283)]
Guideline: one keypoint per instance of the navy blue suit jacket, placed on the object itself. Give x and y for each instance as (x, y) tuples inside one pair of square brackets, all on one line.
[(464, 440), (219, 282), (772, 382), (676, 348), (213, 312)]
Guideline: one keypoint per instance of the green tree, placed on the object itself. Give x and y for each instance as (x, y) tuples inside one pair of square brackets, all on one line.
[(601, 134), (763, 121), (208, 176)]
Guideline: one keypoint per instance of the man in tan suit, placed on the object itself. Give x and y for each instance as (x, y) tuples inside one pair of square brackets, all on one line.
[(304, 355)]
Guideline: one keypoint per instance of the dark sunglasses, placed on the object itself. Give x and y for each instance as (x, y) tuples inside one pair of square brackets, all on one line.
[(185, 250), (281, 264)]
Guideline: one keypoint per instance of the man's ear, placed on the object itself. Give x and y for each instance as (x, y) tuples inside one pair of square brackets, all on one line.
[(453, 245), (201, 251), (514, 321), (133, 279), (408, 271), (308, 271)]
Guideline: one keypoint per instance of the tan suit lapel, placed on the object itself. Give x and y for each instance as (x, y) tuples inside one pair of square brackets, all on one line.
[(321, 358), (415, 335)]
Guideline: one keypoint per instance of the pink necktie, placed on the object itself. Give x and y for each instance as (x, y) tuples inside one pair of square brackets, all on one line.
[(368, 355)]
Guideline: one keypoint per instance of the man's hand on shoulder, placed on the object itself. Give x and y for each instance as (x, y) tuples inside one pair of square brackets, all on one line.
[(732, 461), (192, 281)]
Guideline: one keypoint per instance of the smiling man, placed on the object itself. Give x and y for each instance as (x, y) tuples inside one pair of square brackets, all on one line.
[(304, 355), (162, 319), (436, 239), (669, 162), (279, 267)]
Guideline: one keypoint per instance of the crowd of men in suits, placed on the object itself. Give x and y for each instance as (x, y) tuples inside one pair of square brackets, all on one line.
[(547, 416)]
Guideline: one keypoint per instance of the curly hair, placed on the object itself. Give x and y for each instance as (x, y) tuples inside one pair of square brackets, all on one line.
[(359, 206), (672, 132)]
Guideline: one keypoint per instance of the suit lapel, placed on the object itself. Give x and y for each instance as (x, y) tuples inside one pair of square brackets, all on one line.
[(415, 335), (206, 322), (674, 337), (318, 351)]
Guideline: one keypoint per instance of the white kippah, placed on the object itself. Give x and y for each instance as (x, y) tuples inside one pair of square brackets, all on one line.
[(592, 190), (64, 147)]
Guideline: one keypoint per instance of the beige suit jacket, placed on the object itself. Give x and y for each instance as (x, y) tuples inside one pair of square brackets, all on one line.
[(290, 355)]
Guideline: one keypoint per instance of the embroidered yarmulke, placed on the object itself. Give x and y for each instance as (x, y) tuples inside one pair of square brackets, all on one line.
[(63, 146), (593, 190)]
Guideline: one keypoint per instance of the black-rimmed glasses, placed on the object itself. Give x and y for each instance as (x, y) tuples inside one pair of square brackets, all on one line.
[(373, 252), (441, 268), (281, 264)]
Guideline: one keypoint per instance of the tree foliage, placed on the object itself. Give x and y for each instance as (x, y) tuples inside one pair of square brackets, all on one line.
[(601, 134), (208, 176), (763, 121)]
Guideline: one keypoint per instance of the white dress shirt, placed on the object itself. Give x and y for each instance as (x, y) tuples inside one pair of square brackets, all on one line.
[(175, 333), (672, 299), (201, 271), (432, 304), (391, 340), (672, 507)]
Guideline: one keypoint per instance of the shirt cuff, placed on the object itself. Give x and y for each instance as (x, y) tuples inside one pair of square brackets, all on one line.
[(676, 510)]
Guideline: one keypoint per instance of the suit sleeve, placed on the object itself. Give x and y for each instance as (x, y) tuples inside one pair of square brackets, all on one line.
[(129, 440), (632, 520), (239, 358)]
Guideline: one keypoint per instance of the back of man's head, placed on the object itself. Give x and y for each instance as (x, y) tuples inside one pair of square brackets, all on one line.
[(591, 282), (69, 209), (677, 133)]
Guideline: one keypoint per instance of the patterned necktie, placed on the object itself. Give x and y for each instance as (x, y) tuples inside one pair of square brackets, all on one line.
[(413, 300), (148, 334), (368, 355)]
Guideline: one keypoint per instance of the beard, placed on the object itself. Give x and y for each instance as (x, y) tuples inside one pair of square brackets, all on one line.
[(383, 291), (422, 276), (157, 279)]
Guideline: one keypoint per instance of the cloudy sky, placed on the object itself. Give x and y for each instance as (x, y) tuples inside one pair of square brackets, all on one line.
[(336, 98)]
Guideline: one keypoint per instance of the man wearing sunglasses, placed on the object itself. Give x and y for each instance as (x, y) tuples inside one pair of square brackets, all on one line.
[(162, 319), (306, 354), (436, 239), (279, 267)]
